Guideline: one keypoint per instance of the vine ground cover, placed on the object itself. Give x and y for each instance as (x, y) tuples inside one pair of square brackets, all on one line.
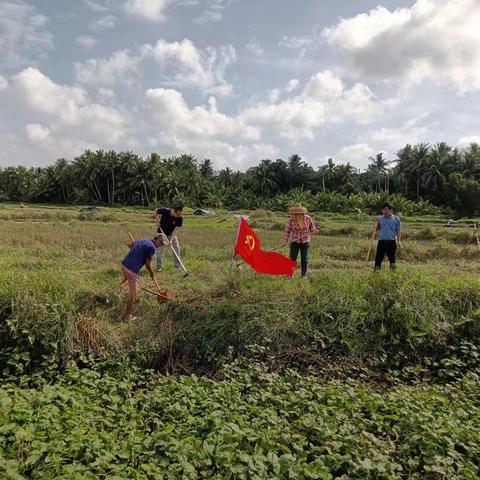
[(250, 424)]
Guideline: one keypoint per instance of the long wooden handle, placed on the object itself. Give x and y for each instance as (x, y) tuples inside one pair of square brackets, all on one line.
[(131, 237), (367, 258), (157, 285), (174, 252), (157, 294)]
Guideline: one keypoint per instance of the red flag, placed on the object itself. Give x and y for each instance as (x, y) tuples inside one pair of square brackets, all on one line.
[(249, 248)]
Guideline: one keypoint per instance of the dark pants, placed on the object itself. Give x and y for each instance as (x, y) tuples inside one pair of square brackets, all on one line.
[(303, 249), (385, 247)]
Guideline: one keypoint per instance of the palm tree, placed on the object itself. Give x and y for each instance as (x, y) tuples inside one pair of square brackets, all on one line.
[(206, 168), (263, 178), (436, 168), (379, 165), (470, 163), (225, 176), (417, 161)]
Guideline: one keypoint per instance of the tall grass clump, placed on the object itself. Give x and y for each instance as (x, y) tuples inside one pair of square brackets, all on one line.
[(388, 313), (37, 316)]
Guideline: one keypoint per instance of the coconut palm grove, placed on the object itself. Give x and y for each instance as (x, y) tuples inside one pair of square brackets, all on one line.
[(420, 179)]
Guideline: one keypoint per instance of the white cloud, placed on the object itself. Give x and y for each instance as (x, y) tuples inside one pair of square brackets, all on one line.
[(357, 154), (3, 83), (170, 113), (434, 40), (275, 94), (61, 120), (64, 110), (184, 65), (294, 119), (122, 66), (39, 93), (86, 41), (152, 10), (214, 10), (24, 38), (325, 85), (392, 139), (36, 132), (255, 48), (105, 22), (303, 44), (389, 140), (358, 32), (95, 6), (466, 141), (324, 100)]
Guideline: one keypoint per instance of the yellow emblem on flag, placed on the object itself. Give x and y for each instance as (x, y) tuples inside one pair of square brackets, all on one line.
[(250, 241)]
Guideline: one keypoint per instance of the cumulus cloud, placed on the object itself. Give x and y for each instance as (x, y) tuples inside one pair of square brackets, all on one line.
[(64, 110), (393, 139), (324, 99), (356, 154), (24, 38), (170, 113), (122, 66), (36, 132), (389, 140), (152, 10), (62, 120), (36, 91), (434, 40), (325, 85), (182, 65), (275, 94), (468, 140)]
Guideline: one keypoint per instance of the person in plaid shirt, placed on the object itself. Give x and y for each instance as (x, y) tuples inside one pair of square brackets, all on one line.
[(298, 230)]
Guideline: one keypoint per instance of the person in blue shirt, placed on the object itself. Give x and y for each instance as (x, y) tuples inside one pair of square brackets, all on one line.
[(389, 229), (141, 253)]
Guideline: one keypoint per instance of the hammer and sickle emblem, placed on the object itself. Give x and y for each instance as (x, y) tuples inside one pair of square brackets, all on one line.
[(250, 241)]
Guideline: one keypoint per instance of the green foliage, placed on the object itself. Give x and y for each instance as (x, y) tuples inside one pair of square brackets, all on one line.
[(120, 423), (425, 180)]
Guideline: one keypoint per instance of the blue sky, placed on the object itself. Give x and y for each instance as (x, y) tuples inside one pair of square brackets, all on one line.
[(236, 80)]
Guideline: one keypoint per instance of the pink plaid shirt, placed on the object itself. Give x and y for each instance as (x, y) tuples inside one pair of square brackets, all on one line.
[(294, 233)]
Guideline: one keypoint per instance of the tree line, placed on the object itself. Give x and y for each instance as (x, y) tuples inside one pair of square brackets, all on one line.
[(421, 178)]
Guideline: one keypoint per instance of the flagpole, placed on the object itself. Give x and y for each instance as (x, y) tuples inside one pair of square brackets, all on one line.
[(232, 261)]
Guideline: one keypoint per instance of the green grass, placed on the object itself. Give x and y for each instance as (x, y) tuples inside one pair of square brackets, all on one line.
[(58, 275)]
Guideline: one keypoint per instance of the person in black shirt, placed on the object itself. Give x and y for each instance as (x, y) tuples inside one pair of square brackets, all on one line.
[(168, 222)]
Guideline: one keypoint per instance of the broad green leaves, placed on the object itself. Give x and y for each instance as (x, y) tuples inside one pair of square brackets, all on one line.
[(251, 424)]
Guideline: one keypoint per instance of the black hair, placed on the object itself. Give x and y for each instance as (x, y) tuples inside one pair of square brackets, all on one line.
[(387, 205), (178, 208)]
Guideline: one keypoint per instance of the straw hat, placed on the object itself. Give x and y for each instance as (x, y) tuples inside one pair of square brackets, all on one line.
[(297, 210)]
